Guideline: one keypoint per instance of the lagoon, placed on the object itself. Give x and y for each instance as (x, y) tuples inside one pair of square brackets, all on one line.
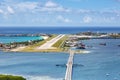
[(18, 39)]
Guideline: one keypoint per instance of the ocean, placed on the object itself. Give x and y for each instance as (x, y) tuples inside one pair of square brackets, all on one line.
[(99, 62), (56, 30)]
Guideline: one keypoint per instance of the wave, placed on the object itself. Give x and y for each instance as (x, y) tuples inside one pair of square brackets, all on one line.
[(42, 78), (86, 52), (82, 51)]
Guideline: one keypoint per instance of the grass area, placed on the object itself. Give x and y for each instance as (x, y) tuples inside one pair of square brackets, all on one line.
[(42, 42), (10, 77), (60, 42), (32, 48)]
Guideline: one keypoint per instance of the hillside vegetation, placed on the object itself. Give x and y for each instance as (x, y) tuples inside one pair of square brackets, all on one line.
[(10, 77)]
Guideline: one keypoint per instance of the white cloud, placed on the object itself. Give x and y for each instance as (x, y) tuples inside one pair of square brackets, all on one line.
[(1, 11), (53, 7), (37, 8), (108, 19), (40, 7), (51, 4), (84, 11), (87, 19), (63, 19), (27, 5), (10, 10), (104, 19)]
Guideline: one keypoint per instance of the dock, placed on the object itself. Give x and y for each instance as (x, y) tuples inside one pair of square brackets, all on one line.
[(68, 75)]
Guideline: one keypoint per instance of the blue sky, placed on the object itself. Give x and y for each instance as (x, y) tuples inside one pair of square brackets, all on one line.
[(59, 12)]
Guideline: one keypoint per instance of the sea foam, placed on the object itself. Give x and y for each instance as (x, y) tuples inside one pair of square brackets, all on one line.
[(42, 78)]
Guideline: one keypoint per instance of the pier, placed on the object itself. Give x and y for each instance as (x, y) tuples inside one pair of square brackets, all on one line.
[(68, 75)]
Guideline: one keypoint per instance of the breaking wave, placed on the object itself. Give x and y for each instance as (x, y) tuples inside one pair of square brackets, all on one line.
[(42, 78), (86, 52)]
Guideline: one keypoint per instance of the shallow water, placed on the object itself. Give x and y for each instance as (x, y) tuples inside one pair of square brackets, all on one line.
[(18, 39), (42, 65), (102, 63)]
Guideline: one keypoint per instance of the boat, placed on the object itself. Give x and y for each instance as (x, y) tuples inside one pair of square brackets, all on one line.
[(80, 46), (104, 44), (118, 45), (61, 65), (78, 65)]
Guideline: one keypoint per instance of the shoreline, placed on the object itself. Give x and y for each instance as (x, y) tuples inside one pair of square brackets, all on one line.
[(58, 42), (65, 52), (36, 47), (19, 49)]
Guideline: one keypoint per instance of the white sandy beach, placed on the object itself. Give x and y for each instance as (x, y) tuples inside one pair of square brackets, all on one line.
[(45, 37), (18, 49)]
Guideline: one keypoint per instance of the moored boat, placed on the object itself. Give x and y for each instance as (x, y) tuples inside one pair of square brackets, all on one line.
[(80, 46), (104, 44)]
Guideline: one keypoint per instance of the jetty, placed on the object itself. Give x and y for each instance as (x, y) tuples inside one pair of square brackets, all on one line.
[(68, 75)]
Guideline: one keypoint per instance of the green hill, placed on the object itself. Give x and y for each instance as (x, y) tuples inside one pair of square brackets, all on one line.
[(10, 77)]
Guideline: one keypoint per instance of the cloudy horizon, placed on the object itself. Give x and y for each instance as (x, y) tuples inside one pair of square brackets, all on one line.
[(60, 13)]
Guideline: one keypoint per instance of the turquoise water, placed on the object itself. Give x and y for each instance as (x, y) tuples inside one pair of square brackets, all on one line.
[(18, 39), (101, 63)]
